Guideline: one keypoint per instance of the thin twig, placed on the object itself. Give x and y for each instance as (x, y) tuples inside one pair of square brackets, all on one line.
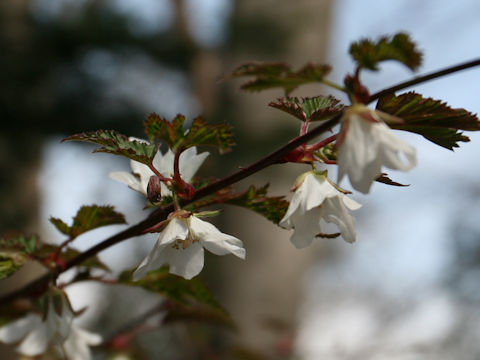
[(161, 213), (425, 78)]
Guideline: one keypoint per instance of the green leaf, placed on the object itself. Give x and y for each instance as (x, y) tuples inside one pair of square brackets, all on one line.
[(60, 225), (311, 109), (89, 218), (173, 287), (218, 135), (255, 199), (19, 242), (11, 262), (401, 48), (279, 75), (200, 133), (158, 128), (433, 119), (115, 143)]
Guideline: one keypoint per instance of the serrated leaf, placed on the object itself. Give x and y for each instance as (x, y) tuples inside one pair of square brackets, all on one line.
[(401, 48), (279, 75), (433, 119), (311, 109), (60, 225), (89, 218), (199, 133), (115, 143), (202, 133), (173, 287), (255, 199), (11, 262), (19, 242), (158, 128)]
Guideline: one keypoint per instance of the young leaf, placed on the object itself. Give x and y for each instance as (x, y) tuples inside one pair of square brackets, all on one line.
[(279, 75), (311, 109), (158, 128), (173, 287), (89, 218), (200, 133), (433, 119), (113, 142), (255, 199), (22, 243), (400, 47), (218, 135)]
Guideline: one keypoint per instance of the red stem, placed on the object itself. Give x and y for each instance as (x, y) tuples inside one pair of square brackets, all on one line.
[(322, 143)]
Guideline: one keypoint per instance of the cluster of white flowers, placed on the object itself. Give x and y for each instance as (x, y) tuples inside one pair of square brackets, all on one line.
[(365, 144), (180, 245), (56, 328)]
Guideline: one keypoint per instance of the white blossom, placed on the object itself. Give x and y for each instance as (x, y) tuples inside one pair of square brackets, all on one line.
[(316, 200), (366, 144), (181, 244), (189, 163), (36, 334)]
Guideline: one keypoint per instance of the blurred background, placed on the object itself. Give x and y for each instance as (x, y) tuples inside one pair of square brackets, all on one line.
[(408, 289)]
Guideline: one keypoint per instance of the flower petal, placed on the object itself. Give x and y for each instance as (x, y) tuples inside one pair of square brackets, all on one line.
[(77, 345), (190, 162), (185, 262), (176, 229), (214, 240), (128, 179), (36, 342), (367, 146), (306, 227), (334, 210), (16, 330)]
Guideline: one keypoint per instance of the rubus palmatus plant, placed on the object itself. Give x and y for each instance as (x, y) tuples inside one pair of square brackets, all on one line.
[(359, 139)]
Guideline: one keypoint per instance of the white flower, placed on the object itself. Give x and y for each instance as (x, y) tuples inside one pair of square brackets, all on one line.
[(366, 144), (315, 199), (189, 163), (36, 334), (181, 244)]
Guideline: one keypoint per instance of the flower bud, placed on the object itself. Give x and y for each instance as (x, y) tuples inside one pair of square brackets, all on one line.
[(154, 189)]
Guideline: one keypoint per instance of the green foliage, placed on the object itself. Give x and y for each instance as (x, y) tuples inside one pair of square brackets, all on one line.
[(255, 199), (433, 119), (400, 47), (15, 250), (20, 242), (279, 75), (11, 262), (200, 133), (113, 142), (173, 287), (89, 218), (309, 109)]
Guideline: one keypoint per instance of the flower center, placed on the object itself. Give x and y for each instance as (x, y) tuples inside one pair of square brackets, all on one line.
[(183, 244)]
